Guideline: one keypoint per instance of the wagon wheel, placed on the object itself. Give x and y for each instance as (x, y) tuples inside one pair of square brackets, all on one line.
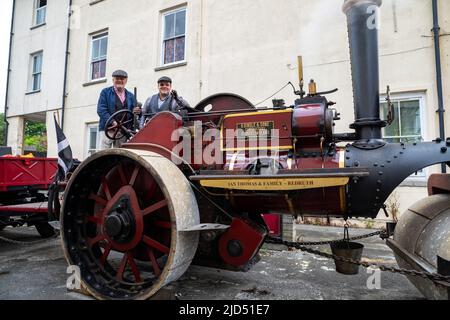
[(123, 214), (122, 128), (3, 223)]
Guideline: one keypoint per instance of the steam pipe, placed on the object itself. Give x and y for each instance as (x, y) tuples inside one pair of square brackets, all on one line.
[(9, 73), (362, 18), (437, 50)]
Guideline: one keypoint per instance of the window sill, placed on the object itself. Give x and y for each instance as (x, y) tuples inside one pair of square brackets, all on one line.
[(171, 66), (38, 26), (32, 92), (94, 82)]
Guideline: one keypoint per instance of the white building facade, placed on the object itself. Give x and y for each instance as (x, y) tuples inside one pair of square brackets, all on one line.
[(210, 46), (37, 64)]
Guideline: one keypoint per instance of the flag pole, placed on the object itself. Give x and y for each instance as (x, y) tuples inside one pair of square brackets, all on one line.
[(57, 117)]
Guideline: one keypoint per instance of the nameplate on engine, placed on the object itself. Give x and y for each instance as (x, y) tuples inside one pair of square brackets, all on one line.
[(251, 130), (259, 130), (281, 184)]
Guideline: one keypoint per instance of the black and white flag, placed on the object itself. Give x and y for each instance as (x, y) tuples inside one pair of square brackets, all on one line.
[(65, 159)]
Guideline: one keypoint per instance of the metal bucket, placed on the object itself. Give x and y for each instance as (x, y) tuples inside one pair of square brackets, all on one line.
[(390, 228), (346, 249)]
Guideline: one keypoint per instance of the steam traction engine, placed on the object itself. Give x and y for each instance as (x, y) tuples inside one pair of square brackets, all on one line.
[(135, 218)]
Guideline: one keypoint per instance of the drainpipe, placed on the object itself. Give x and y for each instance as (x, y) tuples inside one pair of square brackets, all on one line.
[(9, 72), (437, 50), (66, 62)]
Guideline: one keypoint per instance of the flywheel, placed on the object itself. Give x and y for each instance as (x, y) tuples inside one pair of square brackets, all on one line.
[(122, 221)]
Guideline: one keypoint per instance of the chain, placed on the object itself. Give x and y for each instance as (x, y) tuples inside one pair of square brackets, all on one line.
[(324, 243), (302, 246)]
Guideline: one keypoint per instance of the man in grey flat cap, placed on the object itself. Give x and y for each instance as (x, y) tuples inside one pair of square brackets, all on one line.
[(165, 100), (113, 99)]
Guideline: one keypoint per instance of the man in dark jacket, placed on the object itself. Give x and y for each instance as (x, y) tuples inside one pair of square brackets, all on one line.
[(111, 100), (165, 100)]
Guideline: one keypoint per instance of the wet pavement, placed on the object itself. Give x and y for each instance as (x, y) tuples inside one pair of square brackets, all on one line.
[(38, 272)]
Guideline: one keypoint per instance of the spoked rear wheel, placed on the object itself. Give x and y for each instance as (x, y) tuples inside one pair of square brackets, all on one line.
[(122, 219)]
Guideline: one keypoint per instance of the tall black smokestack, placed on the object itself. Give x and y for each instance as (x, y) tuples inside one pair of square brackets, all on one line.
[(362, 18)]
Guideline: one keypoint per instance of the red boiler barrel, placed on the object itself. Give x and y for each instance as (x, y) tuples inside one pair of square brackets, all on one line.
[(311, 122)]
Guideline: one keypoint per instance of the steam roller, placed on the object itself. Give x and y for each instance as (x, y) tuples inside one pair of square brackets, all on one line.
[(191, 186)]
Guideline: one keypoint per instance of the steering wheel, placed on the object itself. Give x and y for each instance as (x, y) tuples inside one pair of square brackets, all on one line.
[(123, 126)]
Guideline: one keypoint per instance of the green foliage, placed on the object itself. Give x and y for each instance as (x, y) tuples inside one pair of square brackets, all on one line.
[(34, 128), (35, 135)]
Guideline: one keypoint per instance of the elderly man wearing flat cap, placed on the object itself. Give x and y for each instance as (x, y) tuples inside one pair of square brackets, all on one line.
[(165, 100), (111, 100)]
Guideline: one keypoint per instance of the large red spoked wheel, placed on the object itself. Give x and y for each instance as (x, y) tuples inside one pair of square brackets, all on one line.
[(123, 216)]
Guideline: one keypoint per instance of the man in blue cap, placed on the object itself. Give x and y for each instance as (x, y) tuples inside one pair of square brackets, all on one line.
[(113, 99), (165, 100)]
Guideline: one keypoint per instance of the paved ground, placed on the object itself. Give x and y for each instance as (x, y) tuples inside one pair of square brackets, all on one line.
[(37, 272)]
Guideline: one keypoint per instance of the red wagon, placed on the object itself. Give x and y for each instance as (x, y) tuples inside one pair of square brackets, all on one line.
[(23, 192)]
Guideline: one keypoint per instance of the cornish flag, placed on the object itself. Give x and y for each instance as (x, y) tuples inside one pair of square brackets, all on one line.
[(65, 159)]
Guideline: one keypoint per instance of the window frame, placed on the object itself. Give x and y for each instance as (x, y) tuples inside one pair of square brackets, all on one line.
[(405, 97), (97, 37), (89, 130), (36, 10), (33, 73), (164, 14)]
